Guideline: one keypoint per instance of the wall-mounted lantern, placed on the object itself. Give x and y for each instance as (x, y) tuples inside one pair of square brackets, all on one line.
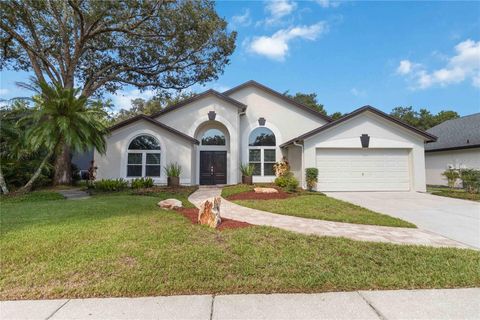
[(365, 139), (261, 121), (211, 115)]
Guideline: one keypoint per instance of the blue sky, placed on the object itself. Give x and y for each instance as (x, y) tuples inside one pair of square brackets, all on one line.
[(386, 54)]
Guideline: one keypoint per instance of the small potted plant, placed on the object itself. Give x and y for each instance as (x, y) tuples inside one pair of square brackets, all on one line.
[(173, 171), (247, 173)]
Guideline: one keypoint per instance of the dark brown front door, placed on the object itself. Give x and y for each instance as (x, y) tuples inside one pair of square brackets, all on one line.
[(213, 167)]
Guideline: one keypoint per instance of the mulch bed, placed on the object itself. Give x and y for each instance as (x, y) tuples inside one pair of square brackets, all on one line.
[(252, 195), (192, 215)]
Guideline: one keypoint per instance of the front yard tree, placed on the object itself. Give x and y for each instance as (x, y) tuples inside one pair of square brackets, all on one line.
[(101, 46)]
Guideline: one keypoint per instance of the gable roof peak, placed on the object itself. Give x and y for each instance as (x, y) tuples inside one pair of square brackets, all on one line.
[(154, 122), (199, 96), (428, 136), (278, 95)]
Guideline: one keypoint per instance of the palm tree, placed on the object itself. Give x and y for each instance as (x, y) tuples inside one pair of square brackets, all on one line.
[(63, 121)]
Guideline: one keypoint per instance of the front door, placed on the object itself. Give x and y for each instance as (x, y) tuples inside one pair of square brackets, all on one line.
[(213, 167)]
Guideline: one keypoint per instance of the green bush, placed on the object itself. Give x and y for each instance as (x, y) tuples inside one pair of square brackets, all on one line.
[(452, 175), (111, 185), (311, 177), (173, 170), (142, 183), (470, 179), (287, 182)]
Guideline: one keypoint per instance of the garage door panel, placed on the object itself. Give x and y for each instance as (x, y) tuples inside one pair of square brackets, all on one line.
[(363, 170)]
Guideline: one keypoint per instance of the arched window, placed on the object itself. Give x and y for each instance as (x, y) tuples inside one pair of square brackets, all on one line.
[(144, 157), (213, 137), (261, 154)]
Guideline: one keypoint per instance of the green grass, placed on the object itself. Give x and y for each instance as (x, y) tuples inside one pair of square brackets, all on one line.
[(453, 193), (318, 206), (31, 197), (234, 189), (124, 245)]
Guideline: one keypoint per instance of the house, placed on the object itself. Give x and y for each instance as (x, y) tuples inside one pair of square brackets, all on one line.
[(458, 146), (213, 133)]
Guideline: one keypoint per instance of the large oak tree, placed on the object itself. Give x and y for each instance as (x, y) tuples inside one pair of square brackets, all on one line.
[(101, 46)]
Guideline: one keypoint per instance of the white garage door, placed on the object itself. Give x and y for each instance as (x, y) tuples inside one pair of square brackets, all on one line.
[(363, 170)]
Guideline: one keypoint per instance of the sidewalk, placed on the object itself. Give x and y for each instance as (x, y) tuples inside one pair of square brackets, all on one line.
[(360, 232), (391, 304)]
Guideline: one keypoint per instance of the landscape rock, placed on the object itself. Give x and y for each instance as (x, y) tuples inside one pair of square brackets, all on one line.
[(265, 190), (209, 213), (170, 204)]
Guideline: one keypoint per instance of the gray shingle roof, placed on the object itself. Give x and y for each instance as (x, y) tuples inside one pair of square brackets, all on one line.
[(458, 133)]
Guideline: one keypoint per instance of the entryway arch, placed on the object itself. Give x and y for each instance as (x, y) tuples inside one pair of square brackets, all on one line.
[(213, 153)]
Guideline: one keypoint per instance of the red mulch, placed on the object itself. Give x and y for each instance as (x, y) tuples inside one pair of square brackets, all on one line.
[(252, 195), (192, 215)]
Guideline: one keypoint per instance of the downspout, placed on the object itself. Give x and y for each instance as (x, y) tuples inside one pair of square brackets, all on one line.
[(239, 145), (303, 164)]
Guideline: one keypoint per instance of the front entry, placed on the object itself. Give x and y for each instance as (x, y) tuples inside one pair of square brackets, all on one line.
[(213, 167)]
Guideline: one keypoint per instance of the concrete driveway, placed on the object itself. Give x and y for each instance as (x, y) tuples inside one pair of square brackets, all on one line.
[(453, 218)]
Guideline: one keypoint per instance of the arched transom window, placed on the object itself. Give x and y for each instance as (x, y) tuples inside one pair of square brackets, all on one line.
[(213, 137), (261, 153), (144, 157)]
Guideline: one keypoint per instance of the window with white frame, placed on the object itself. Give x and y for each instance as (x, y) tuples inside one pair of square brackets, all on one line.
[(262, 152), (144, 157)]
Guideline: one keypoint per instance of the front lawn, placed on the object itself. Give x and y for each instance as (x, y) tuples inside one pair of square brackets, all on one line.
[(317, 206), (453, 193), (124, 245)]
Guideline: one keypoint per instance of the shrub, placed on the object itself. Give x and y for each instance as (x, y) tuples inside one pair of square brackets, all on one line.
[(311, 177), (470, 179), (292, 184), (287, 181), (247, 169), (142, 183), (281, 168), (111, 184), (452, 175), (173, 170)]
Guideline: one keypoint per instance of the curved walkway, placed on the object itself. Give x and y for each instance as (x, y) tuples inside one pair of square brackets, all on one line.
[(360, 232)]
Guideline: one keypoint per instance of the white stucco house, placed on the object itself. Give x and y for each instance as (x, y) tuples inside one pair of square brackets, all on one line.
[(457, 146), (211, 134)]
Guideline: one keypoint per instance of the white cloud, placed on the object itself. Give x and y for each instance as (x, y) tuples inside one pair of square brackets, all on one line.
[(122, 99), (328, 3), (405, 67), (242, 20), (4, 91), (358, 93), (279, 9), (276, 46), (464, 65)]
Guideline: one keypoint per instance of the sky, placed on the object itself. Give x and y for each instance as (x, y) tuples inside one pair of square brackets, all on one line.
[(385, 54)]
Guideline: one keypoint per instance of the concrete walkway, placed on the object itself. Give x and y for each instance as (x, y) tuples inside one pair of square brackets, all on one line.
[(324, 228), (385, 305), (74, 194), (456, 219)]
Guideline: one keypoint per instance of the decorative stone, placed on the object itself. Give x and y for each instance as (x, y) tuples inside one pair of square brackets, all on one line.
[(170, 204), (209, 213), (265, 190)]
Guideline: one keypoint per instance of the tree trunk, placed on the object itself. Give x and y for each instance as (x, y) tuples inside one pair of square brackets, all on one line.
[(27, 187), (3, 185), (63, 166)]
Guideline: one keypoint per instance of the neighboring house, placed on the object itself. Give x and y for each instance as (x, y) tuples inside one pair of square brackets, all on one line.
[(458, 146), (211, 134)]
